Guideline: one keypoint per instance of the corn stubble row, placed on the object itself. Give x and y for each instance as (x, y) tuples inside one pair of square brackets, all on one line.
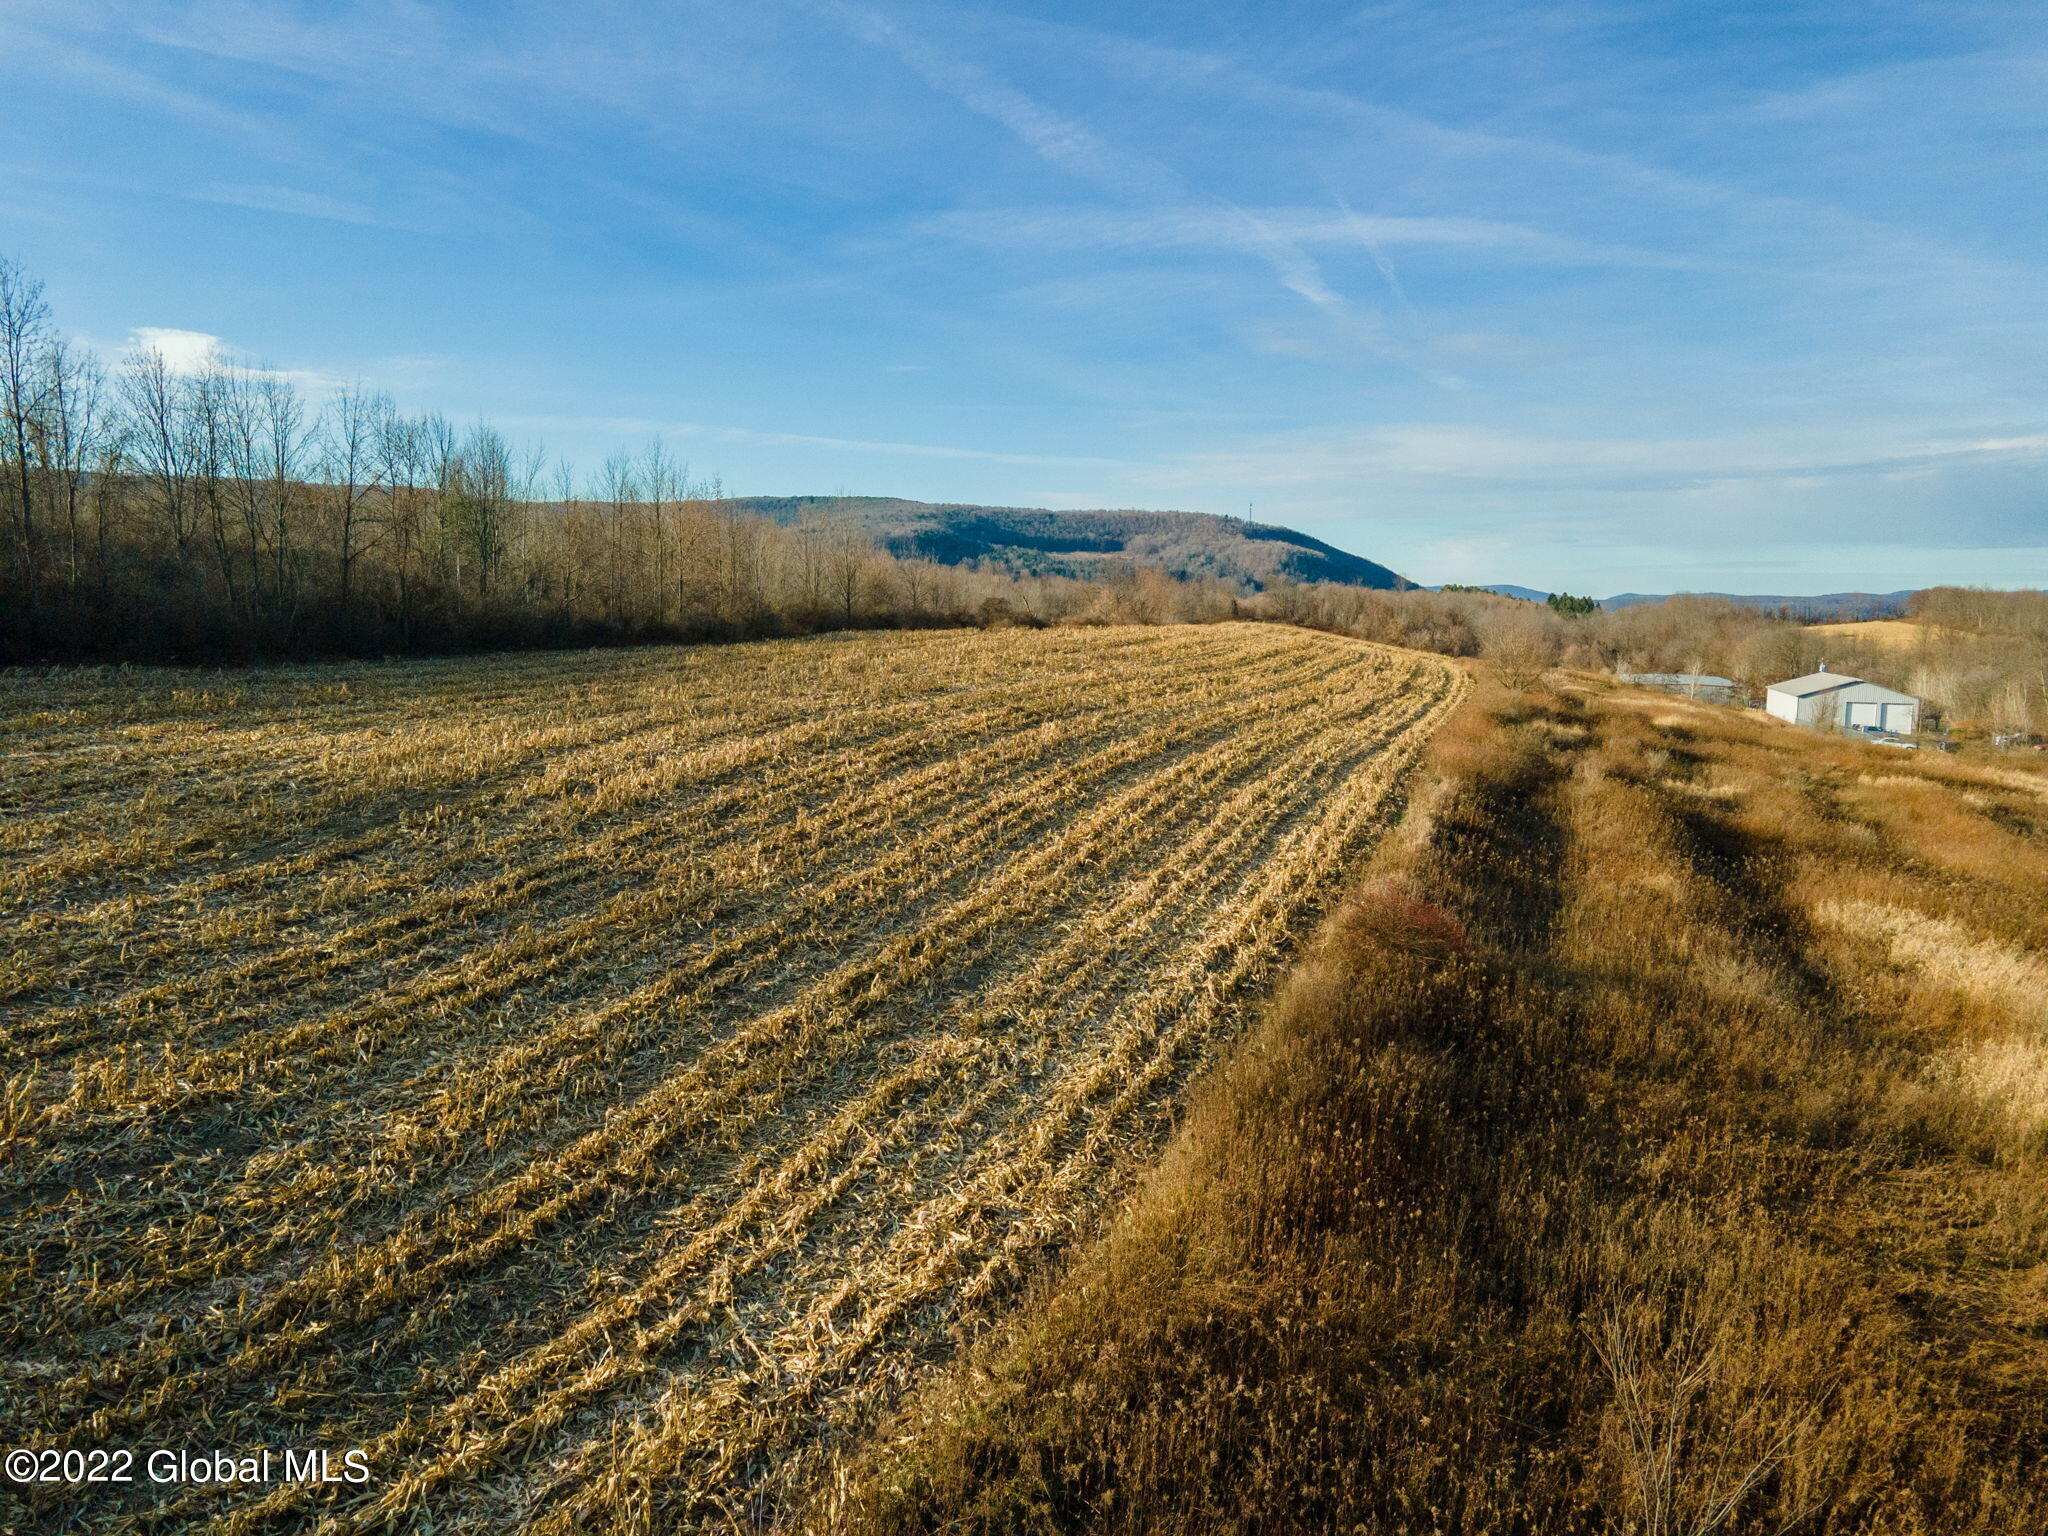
[(598, 1085)]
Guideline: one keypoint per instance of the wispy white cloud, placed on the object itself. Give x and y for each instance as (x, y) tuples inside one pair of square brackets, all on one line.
[(1764, 223), (1067, 144), (295, 201), (1055, 138), (1451, 455), (1375, 248), (1266, 229), (110, 78), (140, 59)]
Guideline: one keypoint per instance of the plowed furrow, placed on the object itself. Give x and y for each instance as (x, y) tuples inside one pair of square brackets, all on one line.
[(593, 1085), (735, 1083)]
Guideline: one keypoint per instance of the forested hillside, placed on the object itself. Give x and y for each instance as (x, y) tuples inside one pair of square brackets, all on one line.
[(1189, 546)]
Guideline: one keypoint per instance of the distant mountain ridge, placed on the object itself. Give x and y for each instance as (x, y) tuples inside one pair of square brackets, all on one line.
[(1824, 605), (1033, 541)]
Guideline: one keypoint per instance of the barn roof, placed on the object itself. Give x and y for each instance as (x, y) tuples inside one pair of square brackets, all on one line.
[(1814, 682), (1877, 693)]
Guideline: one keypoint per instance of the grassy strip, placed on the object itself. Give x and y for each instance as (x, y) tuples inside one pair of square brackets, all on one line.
[(1629, 1154)]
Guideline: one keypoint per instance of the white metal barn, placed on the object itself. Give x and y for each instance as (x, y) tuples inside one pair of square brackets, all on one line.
[(1827, 698)]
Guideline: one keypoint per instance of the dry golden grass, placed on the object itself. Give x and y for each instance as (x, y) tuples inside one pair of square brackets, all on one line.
[(598, 1085), (1652, 1145), (1901, 634)]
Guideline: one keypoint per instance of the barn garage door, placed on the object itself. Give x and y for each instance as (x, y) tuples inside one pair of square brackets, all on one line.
[(1899, 717), (1865, 716)]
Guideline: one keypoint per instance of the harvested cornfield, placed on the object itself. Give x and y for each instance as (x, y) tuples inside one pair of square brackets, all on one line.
[(592, 1087)]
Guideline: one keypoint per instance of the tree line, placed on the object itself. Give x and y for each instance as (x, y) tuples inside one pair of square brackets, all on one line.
[(216, 512)]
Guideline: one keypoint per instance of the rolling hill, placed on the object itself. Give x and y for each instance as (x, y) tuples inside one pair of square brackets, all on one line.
[(1185, 545)]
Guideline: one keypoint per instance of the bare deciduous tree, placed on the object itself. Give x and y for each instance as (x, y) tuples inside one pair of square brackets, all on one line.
[(24, 381)]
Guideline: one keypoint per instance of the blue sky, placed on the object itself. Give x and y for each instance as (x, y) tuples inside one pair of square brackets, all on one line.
[(1631, 295)]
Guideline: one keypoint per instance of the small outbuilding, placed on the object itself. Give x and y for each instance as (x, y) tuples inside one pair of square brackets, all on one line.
[(1835, 700)]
